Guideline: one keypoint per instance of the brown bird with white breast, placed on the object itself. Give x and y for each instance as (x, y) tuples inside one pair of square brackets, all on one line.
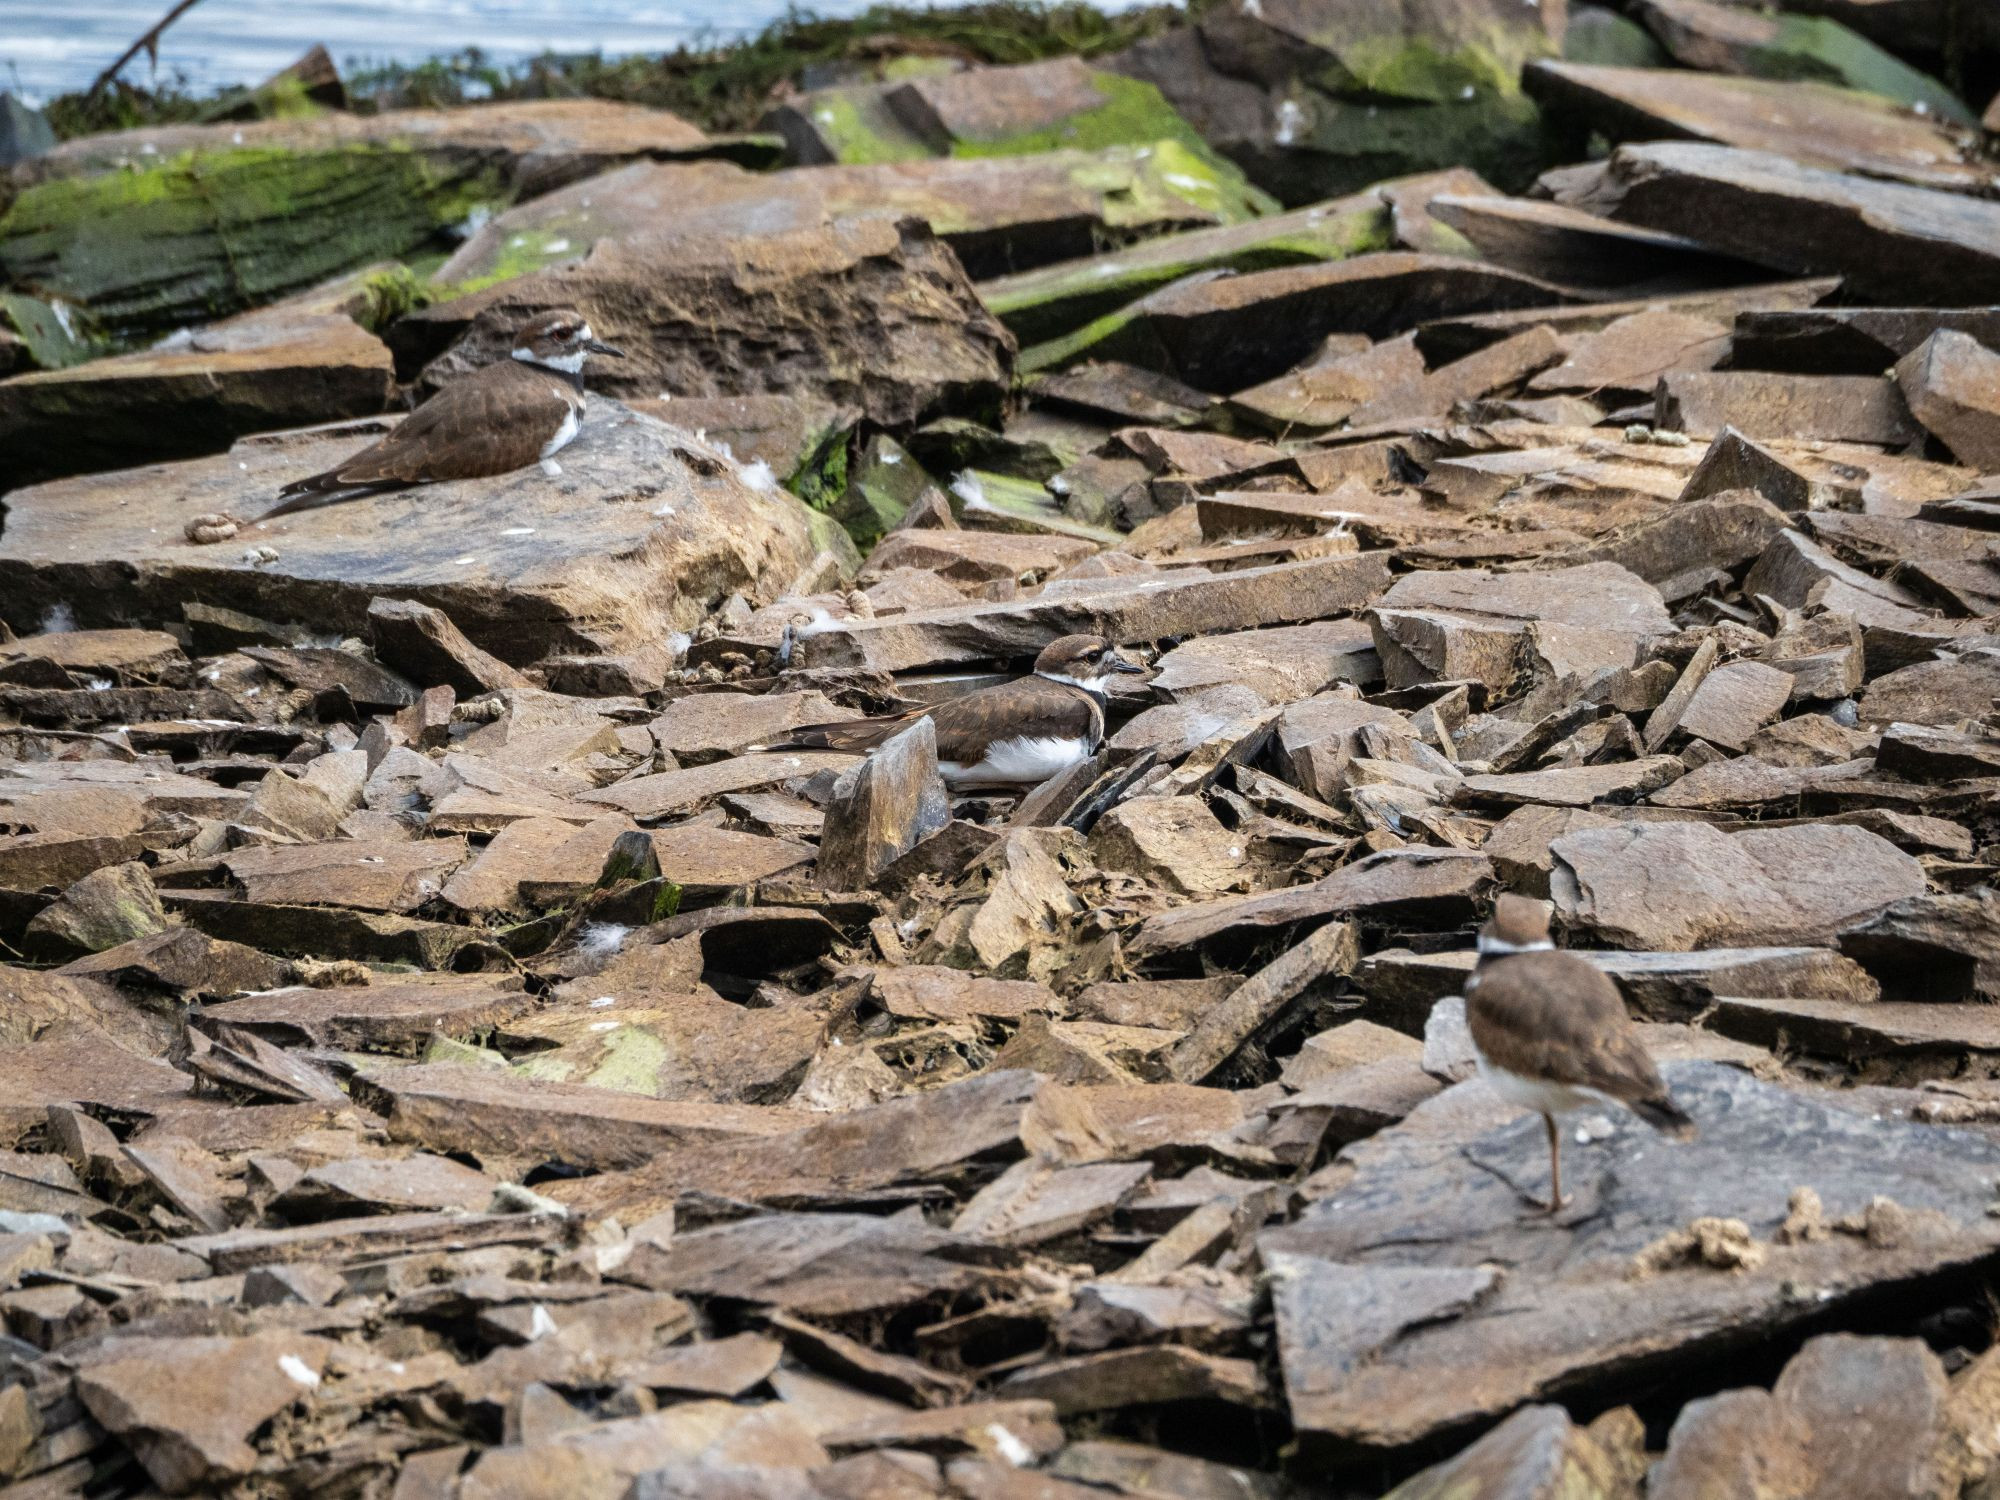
[(1016, 734), (501, 417), (1551, 1032)]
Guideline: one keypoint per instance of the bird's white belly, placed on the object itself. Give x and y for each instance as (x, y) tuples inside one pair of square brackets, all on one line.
[(1026, 760), (565, 434), (1533, 1093)]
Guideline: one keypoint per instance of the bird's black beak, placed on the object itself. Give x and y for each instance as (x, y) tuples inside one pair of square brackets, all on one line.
[(598, 346), (1124, 664)]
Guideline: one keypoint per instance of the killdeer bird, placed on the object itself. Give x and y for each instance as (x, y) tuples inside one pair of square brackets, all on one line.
[(501, 417), (1017, 734), (1552, 1034)]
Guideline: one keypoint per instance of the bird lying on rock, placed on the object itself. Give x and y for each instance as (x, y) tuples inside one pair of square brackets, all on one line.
[(1017, 734), (1551, 1032), (501, 417)]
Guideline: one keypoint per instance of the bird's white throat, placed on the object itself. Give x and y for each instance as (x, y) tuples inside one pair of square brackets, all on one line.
[(1088, 684), (1493, 947), (568, 364)]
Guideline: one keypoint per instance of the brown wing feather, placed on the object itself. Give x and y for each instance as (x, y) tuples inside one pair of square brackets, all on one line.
[(849, 734), (1032, 706), (493, 421), (966, 726), (1557, 1017)]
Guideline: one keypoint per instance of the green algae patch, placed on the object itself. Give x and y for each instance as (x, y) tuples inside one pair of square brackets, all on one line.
[(1135, 113), (206, 234), (883, 482), (1816, 49), (856, 127), (523, 253), (56, 334), (391, 294), (1050, 301), (625, 1057), (1348, 145)]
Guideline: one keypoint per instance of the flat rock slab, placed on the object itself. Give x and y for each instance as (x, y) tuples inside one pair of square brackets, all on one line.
[(597, 559), (1134, 607), (189, 1406), (1226, 333), (391, 1015), (1472, 623), (1894, 242), (1815, 123), (1387, 1340), (537, 143), (195, 393), (1281, 665), (999, 213), (1403, 986), (447, 1108), (1689, 885)]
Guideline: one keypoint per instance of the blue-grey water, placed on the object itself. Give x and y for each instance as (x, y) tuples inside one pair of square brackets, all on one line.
[(50, 46)]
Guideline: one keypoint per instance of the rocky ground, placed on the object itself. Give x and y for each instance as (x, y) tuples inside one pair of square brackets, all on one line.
[(447, 1054)]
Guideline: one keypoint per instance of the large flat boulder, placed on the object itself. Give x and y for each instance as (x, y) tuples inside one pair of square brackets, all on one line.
[(1387, 1339), (630, 543), (134, 254), (1817, 124), (999, 214), (1892, 241), (534, 144), (194, 393), (871, 314), (1690, 885)]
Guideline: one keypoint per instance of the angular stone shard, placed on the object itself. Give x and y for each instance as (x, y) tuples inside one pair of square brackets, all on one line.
[(1128, 608), (1725, 39), (1952, 382), (188, 1406), (1225, 333), (1492, 627), (424, 645), (1877, 1412), (883, 808), (1807, 408)]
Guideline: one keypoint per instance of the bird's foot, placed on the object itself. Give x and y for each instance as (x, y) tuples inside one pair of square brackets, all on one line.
[(551, 469), (1553, 1206)]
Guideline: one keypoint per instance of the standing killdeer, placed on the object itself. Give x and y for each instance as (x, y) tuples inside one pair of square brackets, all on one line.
[(1016, 734), (501, 417), (1552, 1034)]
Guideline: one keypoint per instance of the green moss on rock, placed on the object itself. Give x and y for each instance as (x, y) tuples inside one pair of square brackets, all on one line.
[(56, 334), (1045, 303), (207, 234)]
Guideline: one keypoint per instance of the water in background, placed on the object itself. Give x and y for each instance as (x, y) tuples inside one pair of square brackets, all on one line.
[(48, 47)]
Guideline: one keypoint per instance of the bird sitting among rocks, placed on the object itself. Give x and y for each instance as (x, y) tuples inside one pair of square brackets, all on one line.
[(1552, 1034), (1016, 734), (501, 417)]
